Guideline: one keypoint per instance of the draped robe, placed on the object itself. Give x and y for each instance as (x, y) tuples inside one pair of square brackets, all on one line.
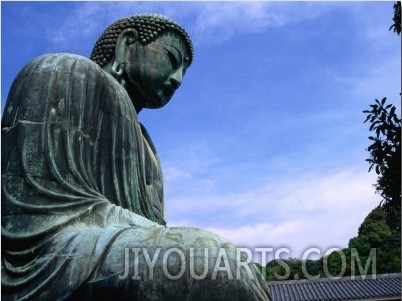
[(80, 175)]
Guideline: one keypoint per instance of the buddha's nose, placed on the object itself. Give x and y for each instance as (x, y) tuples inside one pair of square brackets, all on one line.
[(176, 78)]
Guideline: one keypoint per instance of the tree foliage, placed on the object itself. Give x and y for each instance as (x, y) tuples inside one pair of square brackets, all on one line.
[(292, 269), (385, 150), (397, 18), (374, 234)]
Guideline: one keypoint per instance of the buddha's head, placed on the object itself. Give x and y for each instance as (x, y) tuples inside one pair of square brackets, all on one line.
[(148, 54)]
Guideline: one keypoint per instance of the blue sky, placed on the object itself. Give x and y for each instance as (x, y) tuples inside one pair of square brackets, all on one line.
[(264, 143)]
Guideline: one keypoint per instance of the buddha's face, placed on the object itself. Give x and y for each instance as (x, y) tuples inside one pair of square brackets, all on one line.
[(156, 70)]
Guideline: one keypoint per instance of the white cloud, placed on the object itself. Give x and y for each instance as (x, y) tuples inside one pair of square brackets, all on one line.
[(312, 210), (215, 24), (207, 22), (172, 174)]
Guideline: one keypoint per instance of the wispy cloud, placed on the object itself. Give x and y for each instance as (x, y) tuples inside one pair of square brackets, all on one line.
[(208, 22), (214, 24), (91, 18), (310, 210)]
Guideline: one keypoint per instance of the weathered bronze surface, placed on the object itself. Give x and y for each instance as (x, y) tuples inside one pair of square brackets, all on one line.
[(82, 190)]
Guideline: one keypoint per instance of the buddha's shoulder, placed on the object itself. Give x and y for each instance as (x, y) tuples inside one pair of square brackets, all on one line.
[(63, 62), (68, 67)]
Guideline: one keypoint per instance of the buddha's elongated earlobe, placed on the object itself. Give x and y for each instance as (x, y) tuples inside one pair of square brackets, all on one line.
[(117, 69), (125, 39)]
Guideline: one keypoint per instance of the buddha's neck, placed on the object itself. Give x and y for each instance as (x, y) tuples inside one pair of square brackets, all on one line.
[(131, 91)]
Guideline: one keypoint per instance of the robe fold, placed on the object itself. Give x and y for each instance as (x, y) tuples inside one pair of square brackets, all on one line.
[(78, 169)]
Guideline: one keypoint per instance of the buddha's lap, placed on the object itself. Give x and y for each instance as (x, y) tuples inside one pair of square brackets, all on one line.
[(173, 264)]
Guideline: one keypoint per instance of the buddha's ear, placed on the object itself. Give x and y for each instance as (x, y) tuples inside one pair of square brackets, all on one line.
[(125, 39)]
